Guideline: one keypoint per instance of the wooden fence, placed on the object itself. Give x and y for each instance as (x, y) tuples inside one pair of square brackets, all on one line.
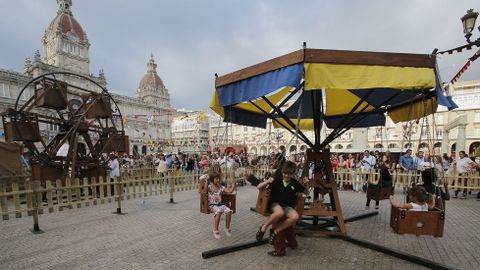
[(32, 198)]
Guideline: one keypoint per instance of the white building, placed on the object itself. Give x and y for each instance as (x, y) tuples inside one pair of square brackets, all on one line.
[(66, 48)]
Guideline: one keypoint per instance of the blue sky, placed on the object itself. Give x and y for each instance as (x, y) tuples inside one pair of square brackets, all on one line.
[(193, 39)]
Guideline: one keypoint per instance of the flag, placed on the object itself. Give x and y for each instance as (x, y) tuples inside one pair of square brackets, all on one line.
[(201, 117), (124, 120)]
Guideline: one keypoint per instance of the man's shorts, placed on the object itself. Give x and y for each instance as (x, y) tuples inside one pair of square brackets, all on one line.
[(286, 209)]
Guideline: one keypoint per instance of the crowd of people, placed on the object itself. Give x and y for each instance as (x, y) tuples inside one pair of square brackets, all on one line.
[(433, 168)]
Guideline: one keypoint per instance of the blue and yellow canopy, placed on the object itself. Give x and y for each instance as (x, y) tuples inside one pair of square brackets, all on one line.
[(342, 89)]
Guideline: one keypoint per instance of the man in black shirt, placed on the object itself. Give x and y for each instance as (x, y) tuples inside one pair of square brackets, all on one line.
[(283, 192)]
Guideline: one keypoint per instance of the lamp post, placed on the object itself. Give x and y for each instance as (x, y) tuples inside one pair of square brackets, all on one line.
[(468, 21)]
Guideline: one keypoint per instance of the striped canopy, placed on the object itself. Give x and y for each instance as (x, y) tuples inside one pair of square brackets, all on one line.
[(342, 89)]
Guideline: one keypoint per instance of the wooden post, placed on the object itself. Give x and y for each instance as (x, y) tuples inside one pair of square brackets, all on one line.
[(16, 200), (118, 194), (109, 189), (127, 187), (94, 190), (86, 196), (68, 186), (171, 184), (102, 189), (49, 196), (3, 201), (28, 197), (59, 195), (36, 186), (78, 196)]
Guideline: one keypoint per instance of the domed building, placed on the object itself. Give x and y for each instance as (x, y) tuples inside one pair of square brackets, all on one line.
[(151, 89), (66, 48)]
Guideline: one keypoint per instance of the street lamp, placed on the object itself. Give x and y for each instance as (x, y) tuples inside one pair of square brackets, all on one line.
[(468, 21)]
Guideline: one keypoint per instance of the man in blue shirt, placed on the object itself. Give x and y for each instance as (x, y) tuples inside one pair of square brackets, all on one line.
[(406, 161), (169, 161)]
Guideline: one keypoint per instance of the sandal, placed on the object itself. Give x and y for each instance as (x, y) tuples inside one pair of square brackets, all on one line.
[(272, 237), (259, 235), (275, 254), (228, 232), (216, 234)]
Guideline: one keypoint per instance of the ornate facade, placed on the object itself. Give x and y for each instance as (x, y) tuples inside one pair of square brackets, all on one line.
[(66, 48)]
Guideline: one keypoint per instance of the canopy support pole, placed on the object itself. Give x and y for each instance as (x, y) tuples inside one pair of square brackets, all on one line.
[(269, 115)]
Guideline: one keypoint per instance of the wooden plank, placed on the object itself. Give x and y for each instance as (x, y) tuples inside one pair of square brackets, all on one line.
[(369, 58), (28, 196), (77, 190), (49, 196), (269, 65), (94, 190), (16, 200), (101, 183), (108, 183), (86, 197), (59, 192), (3, 201), (38, 197), (68, 186)]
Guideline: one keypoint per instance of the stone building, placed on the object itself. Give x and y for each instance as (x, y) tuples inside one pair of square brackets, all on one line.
[(66, 48), (190, 132)]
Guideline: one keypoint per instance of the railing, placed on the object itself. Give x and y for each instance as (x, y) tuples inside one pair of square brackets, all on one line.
[(23, 197)]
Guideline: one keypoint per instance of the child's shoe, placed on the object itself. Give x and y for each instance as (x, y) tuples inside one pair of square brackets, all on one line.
[(228, 232), (216, 234)]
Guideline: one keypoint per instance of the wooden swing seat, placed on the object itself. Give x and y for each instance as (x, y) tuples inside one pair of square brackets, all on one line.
[(263, 203), (419, 223), (228, 199), (51, 95)]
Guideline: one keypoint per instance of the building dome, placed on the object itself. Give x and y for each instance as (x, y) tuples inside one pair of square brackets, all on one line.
[(151, 79), (66, 23)]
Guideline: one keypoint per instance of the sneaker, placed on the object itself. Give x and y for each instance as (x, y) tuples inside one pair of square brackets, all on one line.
[(376, 207), (454, 196), (216, 234), (463, 198), (228, 232)]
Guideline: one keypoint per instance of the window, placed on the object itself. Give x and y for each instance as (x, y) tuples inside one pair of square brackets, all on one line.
[(439, 133), (477, 132), (440, 119), (4, 90), (477, 117)]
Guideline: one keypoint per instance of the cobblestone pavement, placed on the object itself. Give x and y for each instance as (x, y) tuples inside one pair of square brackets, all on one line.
[(173, 236)]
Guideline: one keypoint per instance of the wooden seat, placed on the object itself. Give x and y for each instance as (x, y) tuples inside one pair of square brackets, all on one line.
[(51, 95), (97, 106), (263, 203), (228, 199), (21, 127), (416, 222)]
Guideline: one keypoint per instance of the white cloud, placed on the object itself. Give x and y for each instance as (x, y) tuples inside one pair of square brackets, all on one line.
[(193, 39)]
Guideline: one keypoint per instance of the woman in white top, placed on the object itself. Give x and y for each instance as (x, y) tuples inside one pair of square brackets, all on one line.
[(418, 198)]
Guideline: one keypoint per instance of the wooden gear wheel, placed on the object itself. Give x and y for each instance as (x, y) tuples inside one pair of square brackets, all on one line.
[(81, 127)]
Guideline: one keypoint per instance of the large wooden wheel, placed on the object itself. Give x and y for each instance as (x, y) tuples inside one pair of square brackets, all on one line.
[(82, 127)]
